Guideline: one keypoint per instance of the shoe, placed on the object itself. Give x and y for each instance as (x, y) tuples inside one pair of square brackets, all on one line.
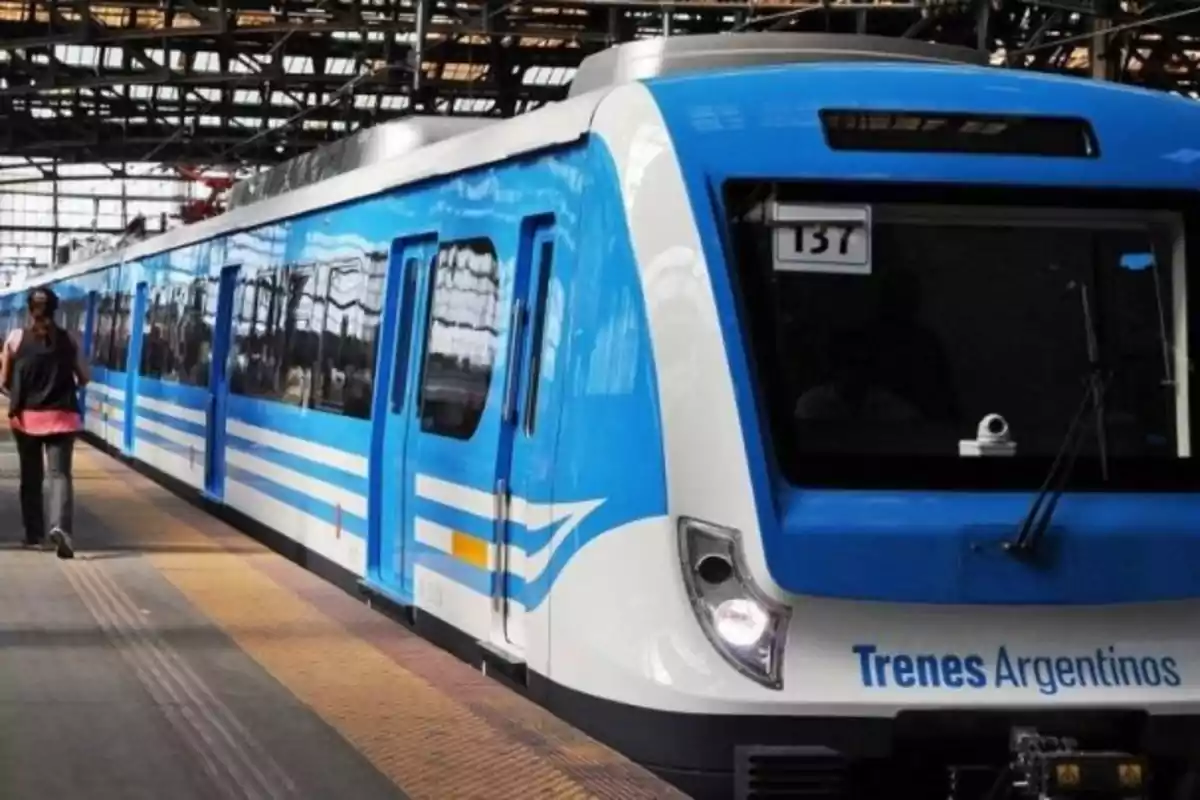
[(62, 543), (34, 544)]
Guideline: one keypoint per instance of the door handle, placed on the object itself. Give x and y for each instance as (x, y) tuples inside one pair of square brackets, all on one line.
[(535, 360), (501, 509), (516, 327)]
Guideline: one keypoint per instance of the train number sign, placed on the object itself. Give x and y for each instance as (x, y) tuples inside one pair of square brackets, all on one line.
[(834, 239)]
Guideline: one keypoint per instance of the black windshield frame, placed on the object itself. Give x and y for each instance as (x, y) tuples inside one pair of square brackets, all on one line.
[(775, 406)]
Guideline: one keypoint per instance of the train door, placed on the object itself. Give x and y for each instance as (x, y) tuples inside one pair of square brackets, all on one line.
[(218, 384), (521, 463), (387, 553), (133, 362), (470, 320)]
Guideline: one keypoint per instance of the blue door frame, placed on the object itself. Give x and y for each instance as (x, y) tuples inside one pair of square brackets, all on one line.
[(218, 386), (133, 361)]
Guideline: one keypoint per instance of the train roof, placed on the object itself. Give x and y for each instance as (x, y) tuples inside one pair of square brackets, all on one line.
[(665, 56), (550, 126)]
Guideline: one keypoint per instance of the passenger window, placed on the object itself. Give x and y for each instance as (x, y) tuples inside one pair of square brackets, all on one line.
[(306, 335), (175, 340), (300, 336), (257, 332), (460, 338), (73, 314), (102, 349), (545, 259), (194, 339), (152, 350), (355, 301), (121, 331), (81, 323)]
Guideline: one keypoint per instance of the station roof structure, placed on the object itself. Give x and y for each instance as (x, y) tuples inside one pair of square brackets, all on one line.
[(120, 113), (224, 83)]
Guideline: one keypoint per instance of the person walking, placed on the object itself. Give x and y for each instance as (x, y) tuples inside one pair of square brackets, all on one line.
[(43, 368)]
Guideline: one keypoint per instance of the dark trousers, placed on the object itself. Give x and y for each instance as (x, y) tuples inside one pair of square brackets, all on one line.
[(57, 450)]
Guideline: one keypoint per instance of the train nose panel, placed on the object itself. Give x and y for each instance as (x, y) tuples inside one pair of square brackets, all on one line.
[(1074, 565), (951, 548)]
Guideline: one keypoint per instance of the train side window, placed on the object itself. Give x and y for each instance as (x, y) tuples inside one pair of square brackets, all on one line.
[(545, 259), (194, 338), (372, 306), (153, 344), (350, 326), (241, 334), (171, 315), (306, 335), (81, 322), (73, 313), (300, 339), (102, 351), (258, 333), (121, 331), (176, 343), (460, 338)]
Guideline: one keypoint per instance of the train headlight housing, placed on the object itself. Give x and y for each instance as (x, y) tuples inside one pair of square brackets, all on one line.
[(745, 626)]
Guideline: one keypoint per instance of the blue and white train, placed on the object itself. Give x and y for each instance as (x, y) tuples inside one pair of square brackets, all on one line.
[(786, 412)]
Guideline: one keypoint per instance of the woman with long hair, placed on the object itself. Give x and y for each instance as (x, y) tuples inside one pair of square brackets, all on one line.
[(43, 369)]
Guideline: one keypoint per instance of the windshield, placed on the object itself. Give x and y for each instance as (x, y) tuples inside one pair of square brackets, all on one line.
[(885, 337)]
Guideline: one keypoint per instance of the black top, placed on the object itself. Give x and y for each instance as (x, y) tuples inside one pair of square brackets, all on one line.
[(43, 374)]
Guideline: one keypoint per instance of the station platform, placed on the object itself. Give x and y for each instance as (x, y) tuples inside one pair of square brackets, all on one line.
[(177, 657)]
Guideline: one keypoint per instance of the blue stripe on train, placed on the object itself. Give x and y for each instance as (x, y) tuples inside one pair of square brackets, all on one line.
[(149, 437), (351, 523), (326, 512), (192, 397), (530, 594), (476, 579), (115, 402), (347, 434), (529, 541), (328, 473), (293, 461), (454, 518), (171, 421)]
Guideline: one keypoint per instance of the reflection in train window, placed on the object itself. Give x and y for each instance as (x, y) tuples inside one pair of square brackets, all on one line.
[(460, 339), (306, 334), (177, 338), (111, 348)]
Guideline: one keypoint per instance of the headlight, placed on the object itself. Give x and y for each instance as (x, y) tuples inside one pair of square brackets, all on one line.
[(746, 627)]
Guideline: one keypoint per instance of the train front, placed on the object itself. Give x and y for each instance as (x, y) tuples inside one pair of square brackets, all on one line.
[(924, 363)]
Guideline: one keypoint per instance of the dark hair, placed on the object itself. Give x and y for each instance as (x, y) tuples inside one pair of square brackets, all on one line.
[(42, 302)]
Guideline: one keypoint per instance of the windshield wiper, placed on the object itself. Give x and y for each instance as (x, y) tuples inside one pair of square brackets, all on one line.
[(1037, 521)]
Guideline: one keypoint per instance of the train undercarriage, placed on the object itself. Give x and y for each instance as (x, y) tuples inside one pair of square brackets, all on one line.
[(985, 756)]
